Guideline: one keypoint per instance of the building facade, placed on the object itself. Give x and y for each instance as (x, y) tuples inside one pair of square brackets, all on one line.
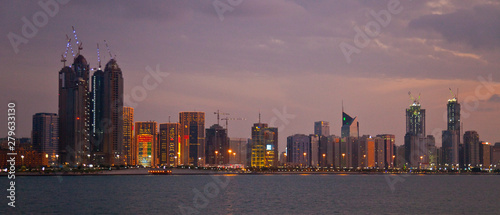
[(264, 146), (322, 128), (146, 143), (45, 135), (74, 113), (193, 140), (169, 144), (217, 150), (128, 136)]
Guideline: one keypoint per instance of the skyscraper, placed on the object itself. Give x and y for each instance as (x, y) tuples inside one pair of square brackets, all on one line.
[(322, 128), (350, 126), (239, 147), (217, 151), (113, 114), (97, 120), (415, 139), (298, 150), (45, 135), (472, 145), (193, 143), (388, 149), (451, 136), (74, 113), (169, 142), (128, 138), (146, 142), (264, 146)]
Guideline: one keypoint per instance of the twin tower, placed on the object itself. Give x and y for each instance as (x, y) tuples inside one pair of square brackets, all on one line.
[(90, 116)]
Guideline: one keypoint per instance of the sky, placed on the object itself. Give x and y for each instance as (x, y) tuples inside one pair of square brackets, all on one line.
[(293, 61)]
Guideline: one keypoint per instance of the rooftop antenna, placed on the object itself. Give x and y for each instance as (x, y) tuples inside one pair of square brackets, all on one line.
[(78, 44), (342, 105), (98, 56), (259, 116)]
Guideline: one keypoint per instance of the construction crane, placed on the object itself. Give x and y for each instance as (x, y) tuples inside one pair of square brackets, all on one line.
[(218, 116), (98, 56), (68, 45), (109, 50), (453, 96), (415, 101), (227, 119), (78, 44)]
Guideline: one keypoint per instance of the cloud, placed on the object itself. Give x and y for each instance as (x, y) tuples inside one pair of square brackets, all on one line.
[(494, 98), (478, 27)]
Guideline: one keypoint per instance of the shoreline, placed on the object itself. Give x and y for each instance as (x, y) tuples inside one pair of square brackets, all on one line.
[(183, 172)]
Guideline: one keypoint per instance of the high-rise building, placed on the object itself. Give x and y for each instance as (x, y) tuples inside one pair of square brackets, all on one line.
[(389, 153), (113, 113), (366, 152), (379, 152), (169, 142), (485, 155), (323, 154), (415, 139), (97, 120), (451, 136), (472, 145), (45, 135), (146, 143), (239, 149), (314, 159), (350, 126), (322, 128), (298, 150), (128, 138), (74, 113), (495, 156), (193, 143), (264, 146), (217, 151)]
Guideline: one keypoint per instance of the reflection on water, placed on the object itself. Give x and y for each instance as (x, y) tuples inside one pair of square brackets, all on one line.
[(256, 194)]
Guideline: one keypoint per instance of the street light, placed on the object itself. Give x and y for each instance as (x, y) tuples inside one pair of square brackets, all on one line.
[(343, 155), (305, 159), (22, 157), (216, 152), (324, 163)]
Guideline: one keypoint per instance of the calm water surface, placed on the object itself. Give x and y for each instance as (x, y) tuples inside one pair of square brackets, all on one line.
[(256, 194)]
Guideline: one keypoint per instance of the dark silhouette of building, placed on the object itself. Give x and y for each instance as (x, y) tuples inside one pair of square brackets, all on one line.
[(217, 151), (45, 135), (113, 113), (472, 145), (74, 113)]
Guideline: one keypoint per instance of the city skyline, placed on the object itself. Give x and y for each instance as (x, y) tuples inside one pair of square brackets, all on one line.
[(262, 71)]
